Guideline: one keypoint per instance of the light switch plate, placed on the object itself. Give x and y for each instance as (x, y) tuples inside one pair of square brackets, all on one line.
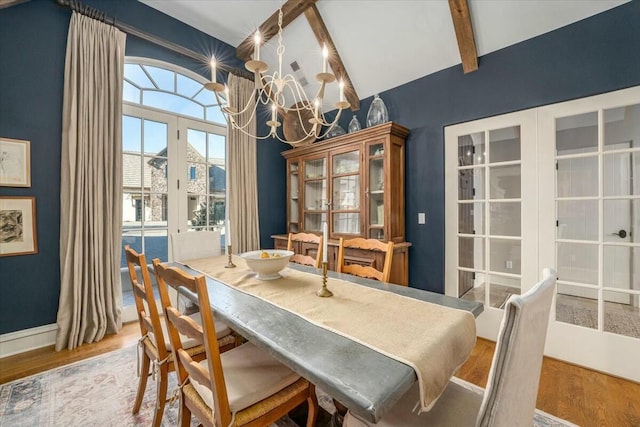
[(422, 218)]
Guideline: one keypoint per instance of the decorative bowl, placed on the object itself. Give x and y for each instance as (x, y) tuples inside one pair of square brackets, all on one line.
[(267, 268)]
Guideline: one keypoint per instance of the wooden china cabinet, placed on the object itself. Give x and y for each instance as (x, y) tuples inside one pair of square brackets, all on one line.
[(355, 183)]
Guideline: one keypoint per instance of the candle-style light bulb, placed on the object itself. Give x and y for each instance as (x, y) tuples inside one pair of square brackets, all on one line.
[(325, 240), (273, 112), (316, 103), (325, 56), (213, 69), (341, 90), (228, 232), (257, 39)]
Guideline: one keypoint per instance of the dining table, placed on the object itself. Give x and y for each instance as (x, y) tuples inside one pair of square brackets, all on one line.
[(361, 378)]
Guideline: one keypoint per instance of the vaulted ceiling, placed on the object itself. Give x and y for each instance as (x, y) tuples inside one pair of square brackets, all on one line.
[(380, 44)]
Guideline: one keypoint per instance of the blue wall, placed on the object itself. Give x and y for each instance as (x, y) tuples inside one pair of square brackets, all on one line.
[(596, 55)]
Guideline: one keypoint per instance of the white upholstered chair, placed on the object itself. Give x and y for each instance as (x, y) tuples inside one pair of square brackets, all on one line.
[(194, 244), (510, 397)]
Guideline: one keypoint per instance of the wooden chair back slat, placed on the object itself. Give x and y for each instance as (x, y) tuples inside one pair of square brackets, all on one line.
[(305, 259), (194, 369), (361, 270), (185, 325)]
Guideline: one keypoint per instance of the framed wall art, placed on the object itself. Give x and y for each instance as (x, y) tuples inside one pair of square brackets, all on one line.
[(17, 226), (15, 162)]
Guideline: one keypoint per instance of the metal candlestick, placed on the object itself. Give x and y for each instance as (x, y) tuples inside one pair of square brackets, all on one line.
[(324, 292), (230, 263)]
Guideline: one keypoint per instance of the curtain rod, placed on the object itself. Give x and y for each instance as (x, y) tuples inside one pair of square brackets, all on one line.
[(94, 13)]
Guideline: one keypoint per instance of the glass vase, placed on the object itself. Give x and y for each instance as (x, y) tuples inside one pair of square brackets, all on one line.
[(354, 125), (378, 113)]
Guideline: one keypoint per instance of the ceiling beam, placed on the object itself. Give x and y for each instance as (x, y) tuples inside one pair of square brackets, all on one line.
[(464, 33), (8, 3), (269, 28), (324, 38)]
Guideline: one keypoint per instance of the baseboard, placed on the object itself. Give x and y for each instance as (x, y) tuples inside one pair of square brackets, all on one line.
[(27, 339)]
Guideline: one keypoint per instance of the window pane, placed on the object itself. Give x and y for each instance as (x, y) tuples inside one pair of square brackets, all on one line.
[(134, 73), (621, 127), (206, 97), (131, 211), (577, 306), (217, 178), (578, 177), (577, 134), (622, 174), (155, 174), (155, 213), (215, 115), (621, 313), (471, 252), (505, 255), (504, 219), (578, 219), (163, 78), (155, 244), (471, 184), (198, 141), (130, 93), (187, 86), (471, 286), (504, 144), (578, 262), (131, 134), (471, 149), (155, 138), (505, 182), (132, 165), (471, 218), (173, 103), (501, 288)]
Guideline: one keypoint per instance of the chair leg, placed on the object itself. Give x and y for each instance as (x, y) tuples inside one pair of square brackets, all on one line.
[(142, 384), (184, 415), (312, 401), (161, 396)]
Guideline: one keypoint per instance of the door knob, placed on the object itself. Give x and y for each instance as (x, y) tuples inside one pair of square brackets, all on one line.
[(621, 234)]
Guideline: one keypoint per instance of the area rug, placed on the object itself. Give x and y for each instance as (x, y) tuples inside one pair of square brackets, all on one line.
[(100, 391)]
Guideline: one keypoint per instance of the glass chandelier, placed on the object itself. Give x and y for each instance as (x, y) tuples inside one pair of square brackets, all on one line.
[(274, 91)]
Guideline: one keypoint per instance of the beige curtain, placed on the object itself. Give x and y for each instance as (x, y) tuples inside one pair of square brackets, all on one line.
[(242, 190), (91, 184)]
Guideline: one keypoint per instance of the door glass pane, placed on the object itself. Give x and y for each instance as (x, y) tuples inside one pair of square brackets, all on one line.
[(505, 219), (315, 169), (346, 192), (155, 174), (505, 182), (471, 286), (376, 150), (294, 210), (622, 313), (501, 288), (131, 134), (471, 252), (346, 162), (578, 177), (198, 141), (314, 221), (577, 134), (622, 220), (471, 218), (155, 138), (346, 223), (314, 195), (577, 305), (156, 211), (376, 175), (578, 262), (505, 255), (155, 244), (197, 211), (471, 149), (504, 144), (217, 147), (471, 184), (622, 127), (578, 219), (376, 233), (131, 210), (376, 209), (622, 174), (622, 267)]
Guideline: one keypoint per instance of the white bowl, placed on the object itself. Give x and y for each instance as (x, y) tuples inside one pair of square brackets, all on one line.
[(267, 268)]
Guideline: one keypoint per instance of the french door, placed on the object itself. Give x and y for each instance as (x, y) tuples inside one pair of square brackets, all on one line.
[(174, 180), (578, 211)]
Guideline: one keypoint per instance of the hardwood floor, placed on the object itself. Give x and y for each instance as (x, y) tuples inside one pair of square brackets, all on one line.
[(579, 395)]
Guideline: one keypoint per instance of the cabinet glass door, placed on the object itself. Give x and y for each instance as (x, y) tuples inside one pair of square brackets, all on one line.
[(376, 191), (315, 194), (346, 193), (294, 194)]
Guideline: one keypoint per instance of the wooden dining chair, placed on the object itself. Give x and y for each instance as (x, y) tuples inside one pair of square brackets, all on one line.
[(367, 271), (154, 339), (299, 239), (244, 386), (512, 388)]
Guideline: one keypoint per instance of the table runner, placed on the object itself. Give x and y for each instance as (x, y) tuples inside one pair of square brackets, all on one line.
[(434, 340)]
